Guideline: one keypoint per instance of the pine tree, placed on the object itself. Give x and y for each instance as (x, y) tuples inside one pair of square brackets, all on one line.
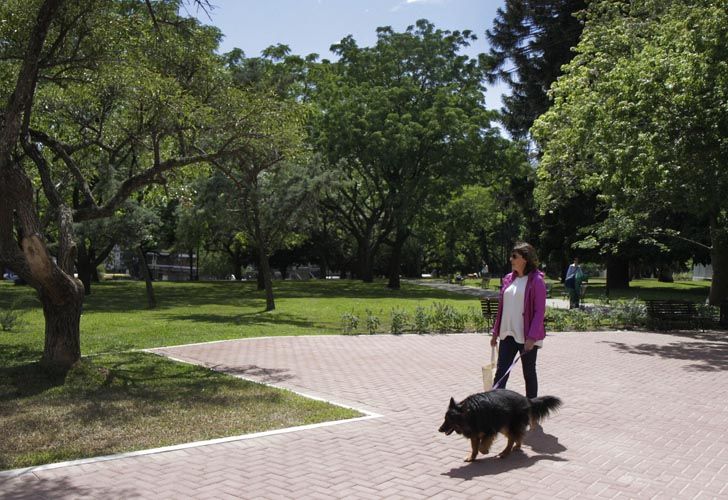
[(530, 41)]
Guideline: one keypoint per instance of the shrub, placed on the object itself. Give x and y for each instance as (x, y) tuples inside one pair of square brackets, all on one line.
[(421, 320), (631, 313), (349, 323), (445, 318), (620, 315), (477, 320), (400, 318), (372, 322)]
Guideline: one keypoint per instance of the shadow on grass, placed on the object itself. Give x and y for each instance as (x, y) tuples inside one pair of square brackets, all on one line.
[(130, 296), (121, 387), (247, 319), (28, 486), (710, 355), (22, 376), (148, 377)]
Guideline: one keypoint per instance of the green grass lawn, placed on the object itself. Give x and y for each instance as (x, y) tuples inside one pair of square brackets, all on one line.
[(643, 289), (120, 400), (116, 318)]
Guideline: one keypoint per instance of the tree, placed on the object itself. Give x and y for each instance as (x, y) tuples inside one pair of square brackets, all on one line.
[(403, 120), (530, 41), (272, 199), (207, 217), (111, 94), (641, 116)]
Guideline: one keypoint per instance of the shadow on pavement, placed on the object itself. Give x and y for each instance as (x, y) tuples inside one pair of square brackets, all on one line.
[(491, 465), (546, 445), (267, 375), (709, 356), (24, 487), (540, 442)]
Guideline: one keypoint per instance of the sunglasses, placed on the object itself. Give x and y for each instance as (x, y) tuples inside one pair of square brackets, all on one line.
[(515, 255)]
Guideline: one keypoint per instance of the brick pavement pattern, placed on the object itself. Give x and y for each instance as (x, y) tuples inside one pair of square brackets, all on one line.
[(644, 416)]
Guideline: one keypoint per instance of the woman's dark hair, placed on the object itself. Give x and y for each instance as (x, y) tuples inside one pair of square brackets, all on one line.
[(529, 253)]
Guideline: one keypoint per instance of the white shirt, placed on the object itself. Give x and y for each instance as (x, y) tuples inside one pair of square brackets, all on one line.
[(512, 320)]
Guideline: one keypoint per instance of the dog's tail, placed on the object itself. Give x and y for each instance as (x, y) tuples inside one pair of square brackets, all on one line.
[(543, 406)]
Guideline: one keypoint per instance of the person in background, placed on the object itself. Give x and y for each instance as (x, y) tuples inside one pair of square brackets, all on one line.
[(572, 283), (519, 323)]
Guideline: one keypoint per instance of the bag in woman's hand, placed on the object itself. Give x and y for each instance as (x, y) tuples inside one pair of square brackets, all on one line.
[(489, 369)]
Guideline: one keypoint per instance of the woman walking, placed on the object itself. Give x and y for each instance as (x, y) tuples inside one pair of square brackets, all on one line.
[(520, 320)]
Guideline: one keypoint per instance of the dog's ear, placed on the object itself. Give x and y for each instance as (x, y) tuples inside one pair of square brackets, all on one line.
[(453, 404)]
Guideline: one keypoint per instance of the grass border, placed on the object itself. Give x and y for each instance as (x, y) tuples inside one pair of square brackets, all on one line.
[(368, 415)]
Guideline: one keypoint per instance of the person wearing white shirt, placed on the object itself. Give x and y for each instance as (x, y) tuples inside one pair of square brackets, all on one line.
[(519, 323)]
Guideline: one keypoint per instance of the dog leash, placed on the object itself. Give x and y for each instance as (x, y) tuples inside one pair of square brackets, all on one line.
[(518, 356)]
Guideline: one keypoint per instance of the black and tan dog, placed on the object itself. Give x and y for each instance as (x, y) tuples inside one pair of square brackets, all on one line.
[(482, 416)]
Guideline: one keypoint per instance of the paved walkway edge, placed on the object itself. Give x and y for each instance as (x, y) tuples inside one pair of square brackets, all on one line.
[(368, 415)]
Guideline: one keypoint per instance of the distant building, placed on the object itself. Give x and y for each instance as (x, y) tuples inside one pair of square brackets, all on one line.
[(165, 266), (702, 272)]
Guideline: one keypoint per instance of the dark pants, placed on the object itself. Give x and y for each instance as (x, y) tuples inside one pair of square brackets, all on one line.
[(506, 353), (573, 298)]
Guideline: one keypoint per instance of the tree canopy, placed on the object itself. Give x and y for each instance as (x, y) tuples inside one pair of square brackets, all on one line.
[(640, 117)]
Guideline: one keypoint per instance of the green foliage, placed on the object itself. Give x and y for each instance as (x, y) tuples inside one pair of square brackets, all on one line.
[(372, 322), (421, 320), (399, 321), (404, 123), (478, 321), (631, 313), (11, 317), (349, 323), (640, 119), (445, 318)]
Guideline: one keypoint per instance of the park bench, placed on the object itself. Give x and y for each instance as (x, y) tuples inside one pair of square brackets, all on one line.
[(489, 309), (668, 313)]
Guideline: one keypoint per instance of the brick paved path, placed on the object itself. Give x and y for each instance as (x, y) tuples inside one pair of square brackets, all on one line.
[(645, 416)]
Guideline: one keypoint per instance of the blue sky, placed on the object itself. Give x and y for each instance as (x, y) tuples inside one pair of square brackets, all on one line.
[(312, 26)]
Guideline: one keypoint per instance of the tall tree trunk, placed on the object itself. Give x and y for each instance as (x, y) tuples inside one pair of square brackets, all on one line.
[(617, 273), (264, 266), (395, 259), (260, 278), (62, 331), (84, 265), (60, 293), (719, 260), (366, 262), (394, 265), (144, 268)]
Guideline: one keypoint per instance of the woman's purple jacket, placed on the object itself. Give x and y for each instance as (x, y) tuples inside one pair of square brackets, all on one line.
[(534, 305)]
